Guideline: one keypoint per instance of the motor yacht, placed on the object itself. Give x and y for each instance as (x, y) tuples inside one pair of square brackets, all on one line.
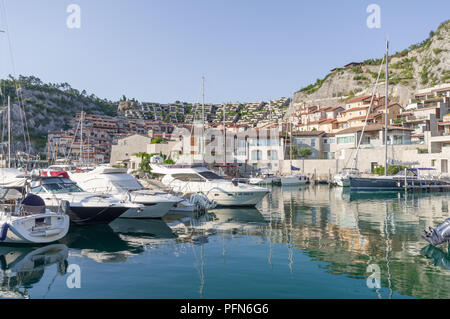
[(192, 179), (116, 181), (85, 208), (264, 179)]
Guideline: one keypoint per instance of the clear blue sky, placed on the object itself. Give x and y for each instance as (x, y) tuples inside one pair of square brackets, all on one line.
[(248, 50)]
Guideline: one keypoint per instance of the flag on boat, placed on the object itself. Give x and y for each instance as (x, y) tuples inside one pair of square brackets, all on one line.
[(293, 168)]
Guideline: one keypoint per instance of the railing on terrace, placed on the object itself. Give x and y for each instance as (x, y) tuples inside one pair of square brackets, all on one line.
[(379, 143)]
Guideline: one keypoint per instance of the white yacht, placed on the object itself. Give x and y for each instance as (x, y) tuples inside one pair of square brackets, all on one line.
[(85, 208), (116, 181), (264, 178), (30, 222), (192, 179)]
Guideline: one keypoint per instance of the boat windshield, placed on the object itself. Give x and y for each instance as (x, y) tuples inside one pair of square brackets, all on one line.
[(127, 185), (58, 185), (63, 188), (210, 175)]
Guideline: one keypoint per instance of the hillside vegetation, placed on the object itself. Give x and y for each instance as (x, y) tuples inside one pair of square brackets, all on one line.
[(421, 65), (48, 107)]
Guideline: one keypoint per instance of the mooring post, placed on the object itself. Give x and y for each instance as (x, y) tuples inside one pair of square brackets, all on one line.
[(406, 182)]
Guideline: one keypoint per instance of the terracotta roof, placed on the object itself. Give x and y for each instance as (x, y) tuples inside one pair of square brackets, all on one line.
[(328, 121), (355, 109), (308, 133), (317, 122), (352, 63), (361, 98), (333, 108), (371, 116)]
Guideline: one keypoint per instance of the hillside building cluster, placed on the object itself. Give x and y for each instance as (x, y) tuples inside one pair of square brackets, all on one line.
[(419, 130)]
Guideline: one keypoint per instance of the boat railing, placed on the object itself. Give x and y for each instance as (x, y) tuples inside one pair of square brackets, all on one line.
[(21, 210)]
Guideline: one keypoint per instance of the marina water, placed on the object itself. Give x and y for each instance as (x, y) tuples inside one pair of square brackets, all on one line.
[(300, 242)]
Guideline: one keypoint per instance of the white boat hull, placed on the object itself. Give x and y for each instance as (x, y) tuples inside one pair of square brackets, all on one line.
[(34, 229), (183, 208), (342, 181), (236, 199), (151, 210)]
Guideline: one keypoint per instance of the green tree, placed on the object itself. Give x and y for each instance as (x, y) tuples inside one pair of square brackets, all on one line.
[(156, 140), (145, 162), (392, 169)]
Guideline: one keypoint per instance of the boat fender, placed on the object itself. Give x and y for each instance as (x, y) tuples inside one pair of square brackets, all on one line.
[(65, 206), (4, 231), (3, 263)]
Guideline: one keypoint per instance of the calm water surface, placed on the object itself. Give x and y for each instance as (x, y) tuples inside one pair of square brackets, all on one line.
[(309, 242)]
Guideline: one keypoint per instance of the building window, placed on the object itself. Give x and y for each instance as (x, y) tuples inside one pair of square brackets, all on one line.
[(272, 155), (433, 163), (256, 155), (346, 140), (313, 142)]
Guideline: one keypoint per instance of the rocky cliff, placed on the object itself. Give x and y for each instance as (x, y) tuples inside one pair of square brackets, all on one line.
[(421, 65), (38, 107)]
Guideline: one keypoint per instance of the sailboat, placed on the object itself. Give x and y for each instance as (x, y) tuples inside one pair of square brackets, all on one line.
[(343, 177), (409, 178), (29, 222), (292, 179)]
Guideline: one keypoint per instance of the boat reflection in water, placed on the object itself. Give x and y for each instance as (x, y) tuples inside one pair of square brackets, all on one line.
[(99, 243), (22, 268), (197, 229), (312, 242), (142, 231), (116, 242), (439, 257)]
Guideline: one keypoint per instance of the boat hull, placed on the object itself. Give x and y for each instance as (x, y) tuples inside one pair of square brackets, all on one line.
[(243, 199), (35, 229), (151, 210), (182, 208), (342, 181), (83, 215), (393, 184)]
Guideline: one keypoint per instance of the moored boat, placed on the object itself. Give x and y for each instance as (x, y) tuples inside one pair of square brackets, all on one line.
[(191, 179), (30, 222), (116, 182), (85, 208)]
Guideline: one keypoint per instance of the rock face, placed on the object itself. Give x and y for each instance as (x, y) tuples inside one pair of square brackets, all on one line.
[(421, 65), (126, 105), (48, 107)]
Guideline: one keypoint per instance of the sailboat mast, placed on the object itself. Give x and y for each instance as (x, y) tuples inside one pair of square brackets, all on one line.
[(9, 131), (386, 100), (81, 144), (224, 137), (290, 137), (203, 117)]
